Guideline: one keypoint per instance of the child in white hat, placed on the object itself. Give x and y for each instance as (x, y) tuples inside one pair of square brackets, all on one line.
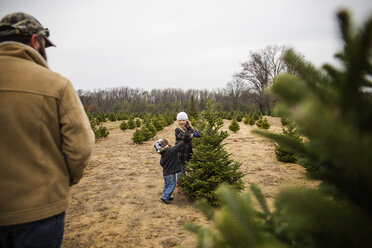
[(184, 131)]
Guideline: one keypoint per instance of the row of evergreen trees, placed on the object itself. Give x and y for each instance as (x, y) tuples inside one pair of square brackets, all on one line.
[(332, 109), (96, 124), (193, 114), (133, 120), (251, 119), (152, 125)]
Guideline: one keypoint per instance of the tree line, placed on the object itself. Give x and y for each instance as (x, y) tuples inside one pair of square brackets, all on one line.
[(247, 90)]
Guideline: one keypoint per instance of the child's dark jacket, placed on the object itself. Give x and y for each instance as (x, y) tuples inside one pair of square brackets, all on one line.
[(185, 136), (169, 159)]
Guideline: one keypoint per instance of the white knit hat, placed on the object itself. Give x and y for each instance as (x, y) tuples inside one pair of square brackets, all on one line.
[(182, 116)]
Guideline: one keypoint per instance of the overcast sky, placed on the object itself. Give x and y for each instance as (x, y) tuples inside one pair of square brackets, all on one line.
[(194, 44)]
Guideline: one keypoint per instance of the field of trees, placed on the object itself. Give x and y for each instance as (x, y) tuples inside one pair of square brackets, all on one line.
[(324, 134), (117, 203)]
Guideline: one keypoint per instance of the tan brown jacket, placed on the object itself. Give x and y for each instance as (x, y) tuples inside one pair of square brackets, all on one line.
[(45, 137)]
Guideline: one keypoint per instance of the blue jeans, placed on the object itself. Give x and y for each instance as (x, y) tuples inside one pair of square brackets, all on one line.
[(46, 233), (169, 186)]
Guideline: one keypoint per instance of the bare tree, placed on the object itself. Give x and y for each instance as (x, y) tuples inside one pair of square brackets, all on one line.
[(262, 67), (260, 70)]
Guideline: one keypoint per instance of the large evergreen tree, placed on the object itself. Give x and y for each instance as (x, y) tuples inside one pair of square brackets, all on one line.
[(334, 113), (210, 164)]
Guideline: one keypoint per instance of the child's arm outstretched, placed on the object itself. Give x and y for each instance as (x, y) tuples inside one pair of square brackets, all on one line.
[(178, 147)]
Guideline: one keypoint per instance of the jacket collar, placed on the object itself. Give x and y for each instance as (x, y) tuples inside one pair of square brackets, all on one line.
[(19, 50)]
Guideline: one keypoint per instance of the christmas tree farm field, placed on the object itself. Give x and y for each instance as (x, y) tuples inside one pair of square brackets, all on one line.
[(117, 203)]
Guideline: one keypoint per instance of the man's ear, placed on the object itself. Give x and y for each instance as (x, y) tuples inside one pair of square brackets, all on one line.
[(34, 42)]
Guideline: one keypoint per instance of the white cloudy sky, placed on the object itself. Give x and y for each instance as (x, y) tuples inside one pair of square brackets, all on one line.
[(179, 44)]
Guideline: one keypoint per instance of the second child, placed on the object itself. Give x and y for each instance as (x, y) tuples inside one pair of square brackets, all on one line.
[(171, 165)]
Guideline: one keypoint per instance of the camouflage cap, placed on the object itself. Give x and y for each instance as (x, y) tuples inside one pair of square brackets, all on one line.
[(20, 23)]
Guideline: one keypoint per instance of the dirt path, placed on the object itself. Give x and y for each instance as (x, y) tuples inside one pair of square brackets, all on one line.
[(117, 202)]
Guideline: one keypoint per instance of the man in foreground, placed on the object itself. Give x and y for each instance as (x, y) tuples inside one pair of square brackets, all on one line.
[(45, 137)]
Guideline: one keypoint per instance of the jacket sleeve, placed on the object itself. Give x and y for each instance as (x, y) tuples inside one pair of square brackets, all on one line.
[(76, 132), (178, 147)]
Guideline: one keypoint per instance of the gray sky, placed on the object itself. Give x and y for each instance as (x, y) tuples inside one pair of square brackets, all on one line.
[(194, 44)]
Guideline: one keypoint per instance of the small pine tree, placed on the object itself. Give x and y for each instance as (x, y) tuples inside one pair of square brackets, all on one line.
[(256, 115), (101, 117), (283, 153), (246, 120), (157, 122), (152, 129), (101, 132), (239, 116), (251, 122), (262, 123), (138, 137), (131, 124), (229, 115), (120, 116), (112, 117), (146, 133), (125, 116), (123, 125), (234, 126), (138, 123), (210, 164)]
